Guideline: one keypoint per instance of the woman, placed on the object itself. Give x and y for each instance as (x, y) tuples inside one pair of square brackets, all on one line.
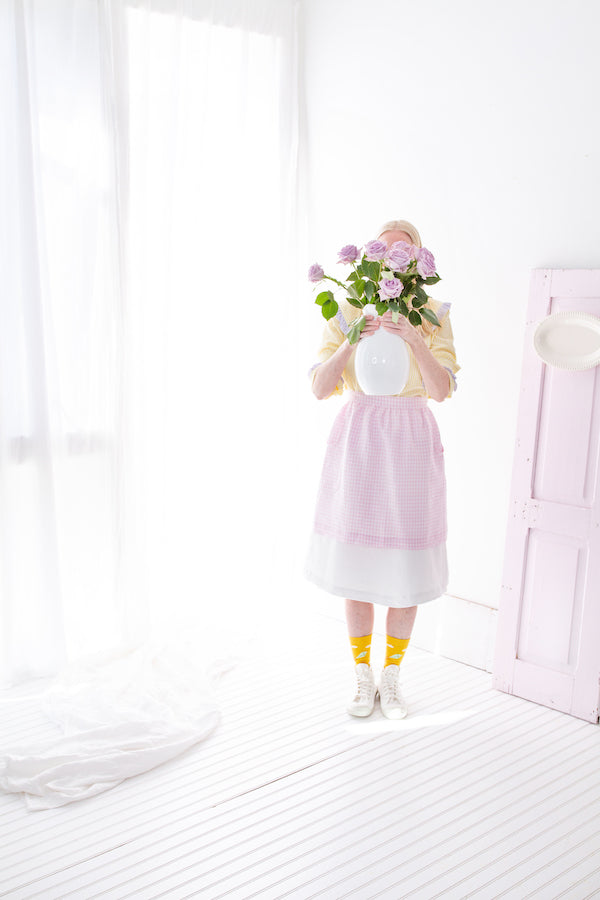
[(379, 533)]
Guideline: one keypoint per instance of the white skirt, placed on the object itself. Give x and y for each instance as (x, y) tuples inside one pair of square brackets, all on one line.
[(397, 578)]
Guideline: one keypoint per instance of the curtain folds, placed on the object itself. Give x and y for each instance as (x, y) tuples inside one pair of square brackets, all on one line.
[(149, 156), (149, 165)]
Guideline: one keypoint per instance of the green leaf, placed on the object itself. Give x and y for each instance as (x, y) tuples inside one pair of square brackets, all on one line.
[(360, 268), (394, 306), (433, 279), (372, 269), (420, 295), (381, 307), (403, 307), (329, 308), (357, 289), (355, 330), (323, 297), (352, 276), (430, 316), (370, 290), (414, 318), (354, 302), (419, 301)]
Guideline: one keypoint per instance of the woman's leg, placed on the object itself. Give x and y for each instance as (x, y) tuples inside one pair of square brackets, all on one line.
[(399, 622), (360, 617), (399, 626)]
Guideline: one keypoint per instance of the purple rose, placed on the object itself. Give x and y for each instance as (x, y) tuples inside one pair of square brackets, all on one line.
[(409, 249), (390, 288), (425, 263), (397, 257), (375, 250), (315, 273), (403, 245), (348, 254)]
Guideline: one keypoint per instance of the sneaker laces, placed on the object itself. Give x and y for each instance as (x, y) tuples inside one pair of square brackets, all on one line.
[(364, 687), (390, 686)]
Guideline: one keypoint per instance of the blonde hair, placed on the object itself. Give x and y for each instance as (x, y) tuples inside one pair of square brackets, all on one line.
[(402, 225)]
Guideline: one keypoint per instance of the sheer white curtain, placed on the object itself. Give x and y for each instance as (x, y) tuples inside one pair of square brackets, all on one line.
[(58, 341), (147, 346), (210, 136)]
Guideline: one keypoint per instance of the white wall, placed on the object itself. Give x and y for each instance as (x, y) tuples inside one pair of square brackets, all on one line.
[(478, 122)]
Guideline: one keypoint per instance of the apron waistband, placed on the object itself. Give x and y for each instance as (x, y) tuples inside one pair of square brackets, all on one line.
[(389, 400)]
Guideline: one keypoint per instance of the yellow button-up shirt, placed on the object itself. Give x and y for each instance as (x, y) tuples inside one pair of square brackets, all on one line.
[(439, 340)]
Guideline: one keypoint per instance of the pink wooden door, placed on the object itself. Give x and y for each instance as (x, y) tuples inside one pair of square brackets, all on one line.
[(548, 638)]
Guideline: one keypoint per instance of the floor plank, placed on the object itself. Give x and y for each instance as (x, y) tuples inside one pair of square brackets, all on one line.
[(475, 794)]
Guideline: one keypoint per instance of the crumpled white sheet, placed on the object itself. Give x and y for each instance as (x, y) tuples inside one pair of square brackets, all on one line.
[(122, 712)]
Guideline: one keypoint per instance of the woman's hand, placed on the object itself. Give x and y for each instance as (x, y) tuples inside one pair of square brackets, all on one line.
[(403, 328), (371, 325), (435, 377)]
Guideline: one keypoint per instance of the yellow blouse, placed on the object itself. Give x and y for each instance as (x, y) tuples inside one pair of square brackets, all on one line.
[(439, 340)]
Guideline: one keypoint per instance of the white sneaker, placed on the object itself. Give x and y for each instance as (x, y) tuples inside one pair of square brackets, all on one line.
[(364, 701), (393, 704)]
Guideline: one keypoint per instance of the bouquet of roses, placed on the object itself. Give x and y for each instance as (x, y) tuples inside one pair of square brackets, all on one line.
[(387, 278)]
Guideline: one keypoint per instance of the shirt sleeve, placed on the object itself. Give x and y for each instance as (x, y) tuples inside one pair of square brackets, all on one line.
[(442, 346), (333, 337)]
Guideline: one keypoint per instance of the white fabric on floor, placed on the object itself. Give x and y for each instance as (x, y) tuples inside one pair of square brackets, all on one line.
[(121, 713)]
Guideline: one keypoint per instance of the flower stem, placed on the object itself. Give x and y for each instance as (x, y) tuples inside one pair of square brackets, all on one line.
[(335, 281)]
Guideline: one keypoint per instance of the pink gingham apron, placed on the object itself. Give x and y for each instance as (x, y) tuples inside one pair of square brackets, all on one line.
[(383, 483)]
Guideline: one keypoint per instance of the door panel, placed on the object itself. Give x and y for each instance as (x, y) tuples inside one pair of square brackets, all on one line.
[(548, 639), (565, 461), (550, 621)]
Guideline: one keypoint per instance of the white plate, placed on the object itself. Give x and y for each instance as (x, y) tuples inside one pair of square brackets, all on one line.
[(569, 340)]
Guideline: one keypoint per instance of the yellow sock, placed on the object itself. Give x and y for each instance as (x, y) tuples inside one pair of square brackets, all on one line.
[(361, 649), (395, 648)]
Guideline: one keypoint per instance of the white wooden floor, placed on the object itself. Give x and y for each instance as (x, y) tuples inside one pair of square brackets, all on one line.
[(475, 794)]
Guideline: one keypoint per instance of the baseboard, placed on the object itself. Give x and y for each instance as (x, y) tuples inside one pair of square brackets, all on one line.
[(457, 629), (450, 626)]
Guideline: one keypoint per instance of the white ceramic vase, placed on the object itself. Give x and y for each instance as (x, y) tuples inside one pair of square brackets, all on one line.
[(382, 362)]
